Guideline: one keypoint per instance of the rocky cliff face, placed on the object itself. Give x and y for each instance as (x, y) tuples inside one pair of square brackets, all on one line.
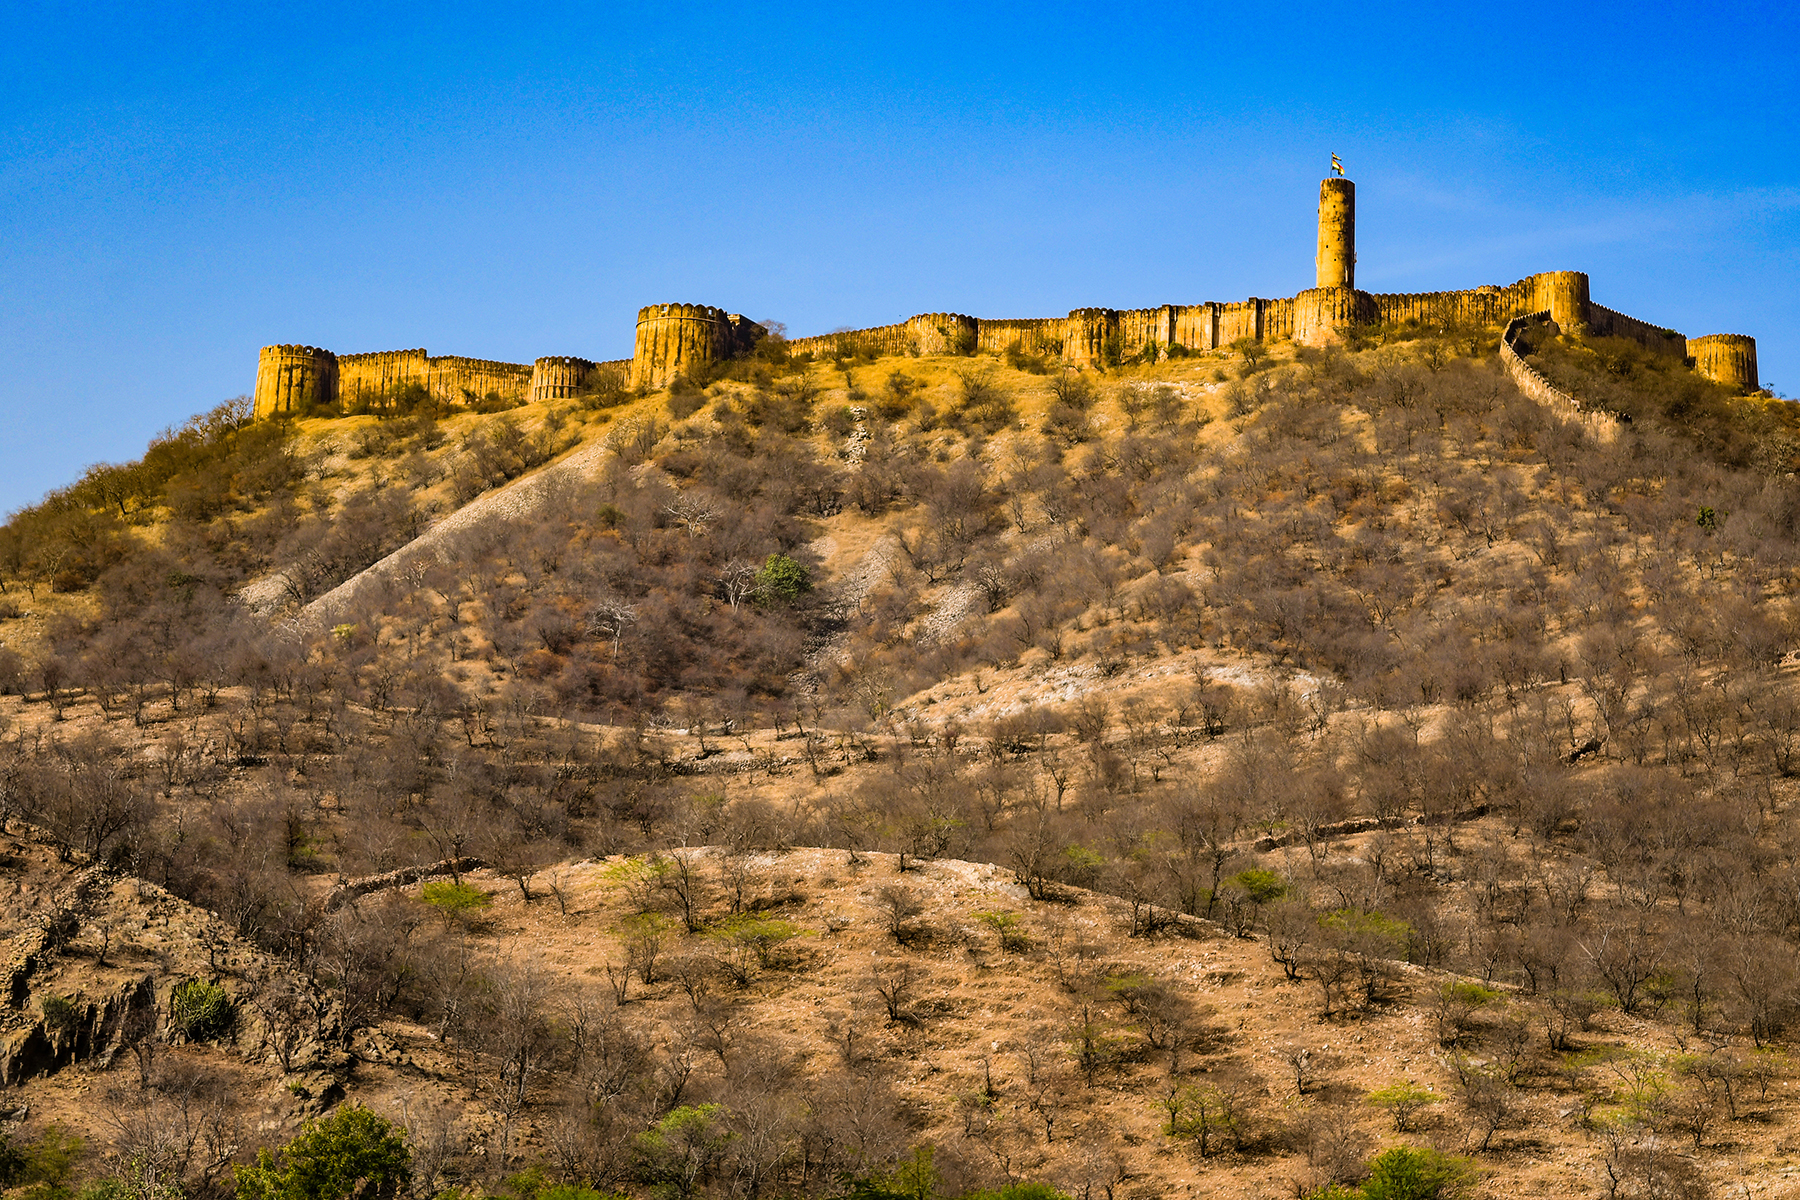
[(89, 974)]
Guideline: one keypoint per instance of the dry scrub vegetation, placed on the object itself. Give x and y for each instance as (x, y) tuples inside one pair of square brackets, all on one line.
[(1196, 777)]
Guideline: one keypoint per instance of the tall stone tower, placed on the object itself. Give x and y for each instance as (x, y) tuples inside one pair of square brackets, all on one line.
[(1337, 233), (1331, 305)]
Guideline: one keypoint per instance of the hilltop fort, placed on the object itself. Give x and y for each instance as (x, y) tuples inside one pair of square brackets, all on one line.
[(673, 338)]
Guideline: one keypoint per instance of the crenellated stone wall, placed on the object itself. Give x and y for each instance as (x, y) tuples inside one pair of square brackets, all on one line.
[(370, 379), (1031, 335), (1604, 322), (293, 379), (559, 378), (1728, 358), (897, 339), (675, 338), (1085, 333)]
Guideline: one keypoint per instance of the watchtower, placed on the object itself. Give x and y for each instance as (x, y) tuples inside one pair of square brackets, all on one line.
[(1337, 233)]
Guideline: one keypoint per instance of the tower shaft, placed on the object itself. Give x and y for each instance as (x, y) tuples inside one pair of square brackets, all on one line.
[(1337, 233)]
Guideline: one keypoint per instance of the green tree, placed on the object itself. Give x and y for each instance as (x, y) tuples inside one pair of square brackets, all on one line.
[(1404, 1173), (43, 1167), (680, 1152), (1403, 1101), (782, 581), (352, 1152)]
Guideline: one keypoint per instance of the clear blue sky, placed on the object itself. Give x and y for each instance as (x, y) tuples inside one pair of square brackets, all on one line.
[(182, 184)]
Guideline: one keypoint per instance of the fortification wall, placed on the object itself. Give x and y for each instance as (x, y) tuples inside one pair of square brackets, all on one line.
[(1085, 333), (1140, 329), (291, 379), (1242, 319), (1604, 322), (368, 378), (1602, 426), (1564, 295), (1278, 319), (944, 333), (1728, 358), (1196, 326), (1029, 335), (1477, 307), (671, 338), (897, 339), (372, 378), (559, 377), (456, 378)]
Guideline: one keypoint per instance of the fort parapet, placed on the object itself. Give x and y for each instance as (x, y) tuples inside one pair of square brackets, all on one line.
[(673, 339)]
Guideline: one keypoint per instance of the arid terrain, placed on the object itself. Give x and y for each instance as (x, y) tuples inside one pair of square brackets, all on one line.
[(1192, 778)]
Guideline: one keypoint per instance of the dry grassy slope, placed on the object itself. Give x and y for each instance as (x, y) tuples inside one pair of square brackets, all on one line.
[(937, 378), (126, 945), (979, 1007)]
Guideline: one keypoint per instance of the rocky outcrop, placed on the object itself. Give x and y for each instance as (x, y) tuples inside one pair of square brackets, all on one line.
[(94, 1031)]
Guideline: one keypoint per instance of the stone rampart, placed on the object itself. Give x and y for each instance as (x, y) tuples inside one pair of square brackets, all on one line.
[(1196, 326), (1085, 333), (897, 340), (1030, 335), (293, 379), (559, 377), (371, 379), (1482, 306), (1604, 322), (944, 333), (673, 338), (1728, 358), (1242, 319), (455, 378), (1601, 426)]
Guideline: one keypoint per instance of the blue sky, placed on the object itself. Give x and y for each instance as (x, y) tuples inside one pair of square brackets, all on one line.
[(184, 183)]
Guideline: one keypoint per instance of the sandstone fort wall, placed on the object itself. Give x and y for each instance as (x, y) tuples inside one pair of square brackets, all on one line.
[(675, 338)]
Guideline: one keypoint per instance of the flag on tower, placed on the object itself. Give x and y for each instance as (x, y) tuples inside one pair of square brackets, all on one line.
[(1337, 166)]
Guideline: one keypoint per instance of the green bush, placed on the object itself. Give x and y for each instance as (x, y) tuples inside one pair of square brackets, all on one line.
[(1404, 1173), (782, 581), (1261, 886), (201, 1010), (454, 898), (351, 1152), (43, 1167)]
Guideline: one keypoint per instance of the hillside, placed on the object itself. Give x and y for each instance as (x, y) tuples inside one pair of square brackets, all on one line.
[(1195, 753)]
